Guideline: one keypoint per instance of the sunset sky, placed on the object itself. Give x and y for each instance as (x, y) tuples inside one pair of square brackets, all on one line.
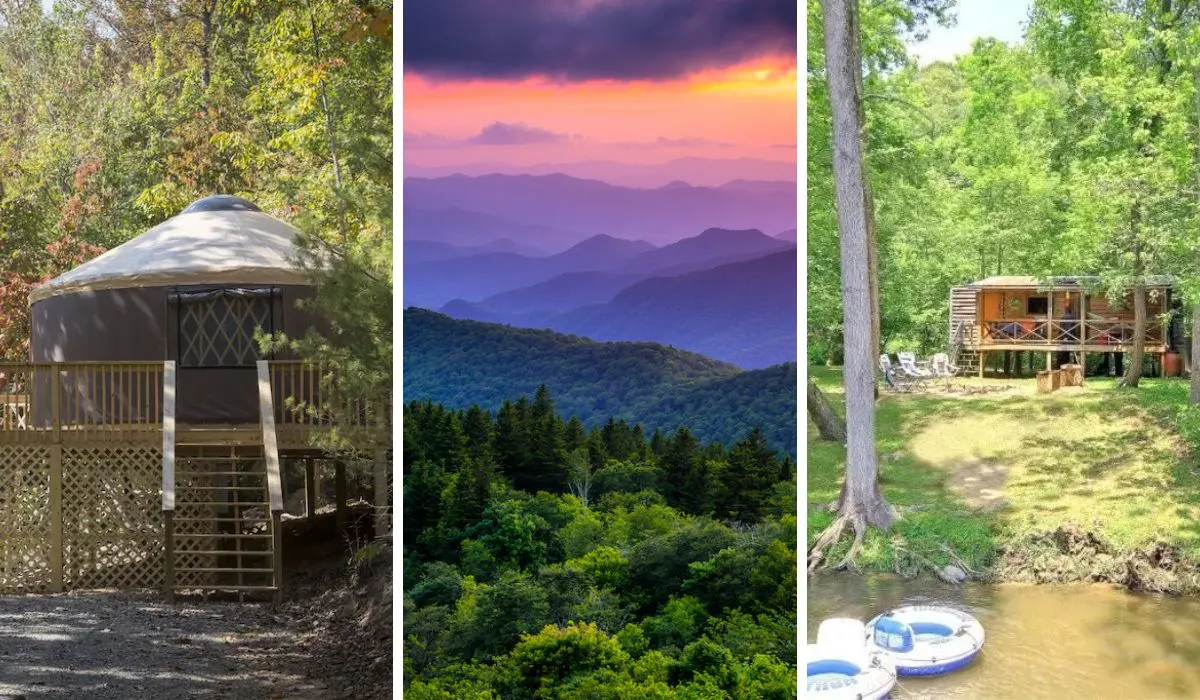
[(523, 82)]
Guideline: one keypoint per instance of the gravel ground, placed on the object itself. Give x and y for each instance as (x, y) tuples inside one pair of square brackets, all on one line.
[(330, 640), (125, 646)]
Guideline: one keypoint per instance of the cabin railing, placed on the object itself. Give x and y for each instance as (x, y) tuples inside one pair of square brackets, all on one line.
[(301, 401), (99, 402), (121, 402), (1040, 331)]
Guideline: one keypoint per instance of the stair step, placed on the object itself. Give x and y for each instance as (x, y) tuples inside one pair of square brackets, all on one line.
[(218, 488), (260, 504), (223, 535), (231, 552), (223, 570), (215, 587), (220, 473), (215, 520)]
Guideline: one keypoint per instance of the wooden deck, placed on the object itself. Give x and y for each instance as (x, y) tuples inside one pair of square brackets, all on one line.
[(1064, 347), (101, 487)]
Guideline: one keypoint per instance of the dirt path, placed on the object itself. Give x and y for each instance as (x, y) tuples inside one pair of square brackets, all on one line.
[(126, 646)]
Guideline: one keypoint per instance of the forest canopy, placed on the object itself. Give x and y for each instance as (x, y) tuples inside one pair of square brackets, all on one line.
[(1073, 152), (543, 560), (119, 114)]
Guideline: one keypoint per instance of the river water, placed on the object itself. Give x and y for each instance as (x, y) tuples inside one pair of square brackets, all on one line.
[(1059, 642)]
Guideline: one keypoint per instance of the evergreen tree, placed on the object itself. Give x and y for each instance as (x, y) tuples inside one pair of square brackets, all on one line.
[(477, 427), (752, 471), (546, 469), (509, 446), (574, 435), (677, 464)]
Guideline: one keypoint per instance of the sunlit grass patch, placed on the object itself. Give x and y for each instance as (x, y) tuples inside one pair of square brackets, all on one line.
[(975, 472)]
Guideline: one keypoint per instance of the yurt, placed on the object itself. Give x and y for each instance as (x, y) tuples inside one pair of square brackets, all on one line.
[(194, 289)]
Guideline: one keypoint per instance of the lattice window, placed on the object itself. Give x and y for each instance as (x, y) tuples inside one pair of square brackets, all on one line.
[(218, 329)]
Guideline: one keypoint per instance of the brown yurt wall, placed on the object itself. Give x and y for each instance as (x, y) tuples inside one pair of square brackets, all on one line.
[(146, 324)]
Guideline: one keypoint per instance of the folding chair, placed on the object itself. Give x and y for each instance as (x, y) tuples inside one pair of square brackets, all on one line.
[(908, 363), (893, 379), (942, 368)]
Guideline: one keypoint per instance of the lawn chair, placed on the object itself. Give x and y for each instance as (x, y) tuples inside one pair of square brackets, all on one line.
[(894, 379), (908, 364), (942, 368)]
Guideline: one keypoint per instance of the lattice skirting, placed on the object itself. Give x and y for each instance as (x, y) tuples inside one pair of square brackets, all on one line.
[(112, 517), (25, 523), (111, 528)]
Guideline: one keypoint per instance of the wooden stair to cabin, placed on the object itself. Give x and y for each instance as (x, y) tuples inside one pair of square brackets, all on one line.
[(224, 538), (967, 363)]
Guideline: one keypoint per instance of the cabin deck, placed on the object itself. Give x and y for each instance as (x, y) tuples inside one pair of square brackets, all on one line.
[(1020, 314), (100, 487)]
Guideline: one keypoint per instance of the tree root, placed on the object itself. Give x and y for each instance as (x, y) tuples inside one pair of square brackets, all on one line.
[(832, 535)]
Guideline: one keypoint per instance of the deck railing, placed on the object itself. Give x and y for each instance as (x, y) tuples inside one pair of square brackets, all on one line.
[(1030, 331), (123, 401), (301, 401), (98, 401)]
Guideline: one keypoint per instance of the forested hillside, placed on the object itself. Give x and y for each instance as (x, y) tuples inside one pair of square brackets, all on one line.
[(461, 363), (616, 556), (743, 313)]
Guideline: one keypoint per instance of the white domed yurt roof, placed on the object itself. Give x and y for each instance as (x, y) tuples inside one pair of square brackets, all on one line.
[(216, 240)]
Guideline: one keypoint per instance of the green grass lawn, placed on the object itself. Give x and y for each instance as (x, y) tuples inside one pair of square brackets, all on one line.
[(976, 471)]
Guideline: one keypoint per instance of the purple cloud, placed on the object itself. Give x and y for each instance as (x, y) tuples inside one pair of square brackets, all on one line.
[(504, 134), (579, 40)]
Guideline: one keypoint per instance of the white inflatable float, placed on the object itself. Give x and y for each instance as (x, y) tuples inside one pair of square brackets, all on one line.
[(842, 666), (926, 640)]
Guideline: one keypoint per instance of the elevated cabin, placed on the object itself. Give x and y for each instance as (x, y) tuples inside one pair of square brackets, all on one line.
[(150, 443), (1060, 317)]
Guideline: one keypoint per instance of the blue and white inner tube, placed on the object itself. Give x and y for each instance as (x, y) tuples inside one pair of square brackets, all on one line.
[(926, 640), (841, 666)]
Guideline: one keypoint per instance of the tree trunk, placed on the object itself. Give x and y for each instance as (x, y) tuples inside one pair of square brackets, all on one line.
[(829, 424), (206, 25), (855, 37), (1133, 373), (1194, 392), (1194, 355), (863, 502)]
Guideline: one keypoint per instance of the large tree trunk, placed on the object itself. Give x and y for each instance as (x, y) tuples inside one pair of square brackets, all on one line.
[(1194, 356), (1133, 373), (829, 425), (862, 503), (855, 37)]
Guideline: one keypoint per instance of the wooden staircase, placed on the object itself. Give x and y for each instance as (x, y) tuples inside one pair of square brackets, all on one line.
[(967, 360), (224, 537), (222, 501), (968, 363)]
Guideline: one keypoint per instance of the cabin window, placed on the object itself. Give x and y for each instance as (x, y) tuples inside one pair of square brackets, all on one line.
[(218, 328), (1037, 305)]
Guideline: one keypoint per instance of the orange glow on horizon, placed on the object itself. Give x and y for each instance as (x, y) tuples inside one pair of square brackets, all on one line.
[(741, 111), (780, 75)]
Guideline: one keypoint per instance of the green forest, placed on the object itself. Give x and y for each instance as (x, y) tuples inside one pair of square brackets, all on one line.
[(1074, 152), (463, 363), (117, 115), (544, 559)]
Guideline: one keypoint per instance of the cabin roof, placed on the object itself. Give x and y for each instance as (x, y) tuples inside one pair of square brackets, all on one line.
[(1062, 282), (216, 240)]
